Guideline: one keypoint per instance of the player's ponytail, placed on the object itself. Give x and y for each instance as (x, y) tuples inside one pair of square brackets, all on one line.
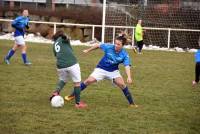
[(61, 34), (122, 39)]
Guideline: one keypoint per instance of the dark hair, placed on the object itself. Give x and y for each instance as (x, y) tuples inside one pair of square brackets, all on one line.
[(61, 34), (122, 39)]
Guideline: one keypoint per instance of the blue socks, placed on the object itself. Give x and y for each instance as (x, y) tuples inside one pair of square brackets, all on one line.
[(128, 95), (10, 54), (24, 57), (82, 86)]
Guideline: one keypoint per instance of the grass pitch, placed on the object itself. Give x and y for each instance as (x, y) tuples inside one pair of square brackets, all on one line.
[(168, 104)]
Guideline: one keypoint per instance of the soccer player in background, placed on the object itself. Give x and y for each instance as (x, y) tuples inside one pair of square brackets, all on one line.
[(107, 68), (67, 66), (197, 66), (139, 36), (20, 24)]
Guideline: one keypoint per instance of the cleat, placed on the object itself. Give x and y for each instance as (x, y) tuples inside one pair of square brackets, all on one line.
[(194, 83), (134, 50), (69, 98), (81, 105), (133, 105), (56, 93), (6, 61), (27, 63)]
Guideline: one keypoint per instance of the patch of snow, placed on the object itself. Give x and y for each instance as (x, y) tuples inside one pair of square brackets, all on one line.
[(39, 39)]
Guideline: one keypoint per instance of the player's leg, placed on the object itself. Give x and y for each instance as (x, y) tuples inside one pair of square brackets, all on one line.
[(11, 52), (197, 72), (77, 92), (75, 74), (63, 75), (24, 55), (140, 46), (83, 85), (97, 75), (121, 84)]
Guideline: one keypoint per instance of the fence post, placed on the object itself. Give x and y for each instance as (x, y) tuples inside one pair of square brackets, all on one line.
[(133, 38), (54, 28), (92, 32), (168, 40), (113, 35)]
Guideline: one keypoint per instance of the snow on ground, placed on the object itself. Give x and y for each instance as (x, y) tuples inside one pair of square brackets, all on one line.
[(40, 39)]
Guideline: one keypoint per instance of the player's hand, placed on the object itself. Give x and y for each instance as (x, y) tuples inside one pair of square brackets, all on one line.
[(27, 27), (129, 80), (85, 51)]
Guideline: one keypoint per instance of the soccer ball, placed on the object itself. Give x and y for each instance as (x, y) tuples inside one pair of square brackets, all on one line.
[(57, 101)]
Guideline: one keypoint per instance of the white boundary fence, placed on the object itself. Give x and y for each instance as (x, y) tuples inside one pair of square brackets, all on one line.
[(169, 30)]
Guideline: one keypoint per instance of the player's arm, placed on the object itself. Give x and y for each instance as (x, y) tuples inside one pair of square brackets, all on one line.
[(16, 24), (128, 73), (27, 24), (127, 64), (92, 48)]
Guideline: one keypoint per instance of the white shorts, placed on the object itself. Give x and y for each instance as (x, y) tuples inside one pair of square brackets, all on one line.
[(19, 40), (100, 74), (72, 72)]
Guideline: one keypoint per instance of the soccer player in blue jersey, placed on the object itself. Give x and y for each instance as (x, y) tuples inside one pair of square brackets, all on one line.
[(20, 24), (107, 68)]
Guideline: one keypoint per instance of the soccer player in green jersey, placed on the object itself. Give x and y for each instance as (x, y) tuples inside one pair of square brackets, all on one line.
[(67, 66)]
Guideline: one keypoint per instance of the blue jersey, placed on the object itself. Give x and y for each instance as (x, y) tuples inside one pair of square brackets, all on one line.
[(197, 56), (112, 59), (20, 23)]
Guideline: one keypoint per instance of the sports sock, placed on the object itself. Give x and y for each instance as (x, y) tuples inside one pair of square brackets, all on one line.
[(128, 95), (10, 54), (24, 57), (82, 87), (60, 85), (77, 92)]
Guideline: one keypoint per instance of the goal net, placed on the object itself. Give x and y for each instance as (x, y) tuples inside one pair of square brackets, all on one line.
[(181, 16)]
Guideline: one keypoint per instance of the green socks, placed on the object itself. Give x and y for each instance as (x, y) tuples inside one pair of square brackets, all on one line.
[(60, 85), (77, 92)]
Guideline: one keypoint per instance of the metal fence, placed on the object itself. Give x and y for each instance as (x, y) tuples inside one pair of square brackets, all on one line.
[(167, 35)]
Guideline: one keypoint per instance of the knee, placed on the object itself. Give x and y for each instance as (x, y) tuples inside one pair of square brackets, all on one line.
[(89, 81), (121, 85), (77, 84)]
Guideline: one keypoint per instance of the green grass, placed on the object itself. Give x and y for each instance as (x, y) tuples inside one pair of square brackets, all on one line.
[(168, 104)]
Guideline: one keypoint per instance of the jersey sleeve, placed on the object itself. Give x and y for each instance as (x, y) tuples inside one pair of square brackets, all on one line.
[(103, 47), (19, 23), (127, 60)]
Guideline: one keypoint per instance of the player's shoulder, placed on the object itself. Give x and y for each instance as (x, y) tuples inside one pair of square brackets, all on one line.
[(106, 45), (19, 17), (124, 52)]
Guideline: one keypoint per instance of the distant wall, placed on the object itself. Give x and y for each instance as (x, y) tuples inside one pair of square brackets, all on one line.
[(71, 14)]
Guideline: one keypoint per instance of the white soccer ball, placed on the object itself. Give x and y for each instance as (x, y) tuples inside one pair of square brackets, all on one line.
[(57, 101)]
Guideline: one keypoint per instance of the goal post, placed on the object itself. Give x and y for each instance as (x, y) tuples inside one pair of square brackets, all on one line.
[(169, 15)]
